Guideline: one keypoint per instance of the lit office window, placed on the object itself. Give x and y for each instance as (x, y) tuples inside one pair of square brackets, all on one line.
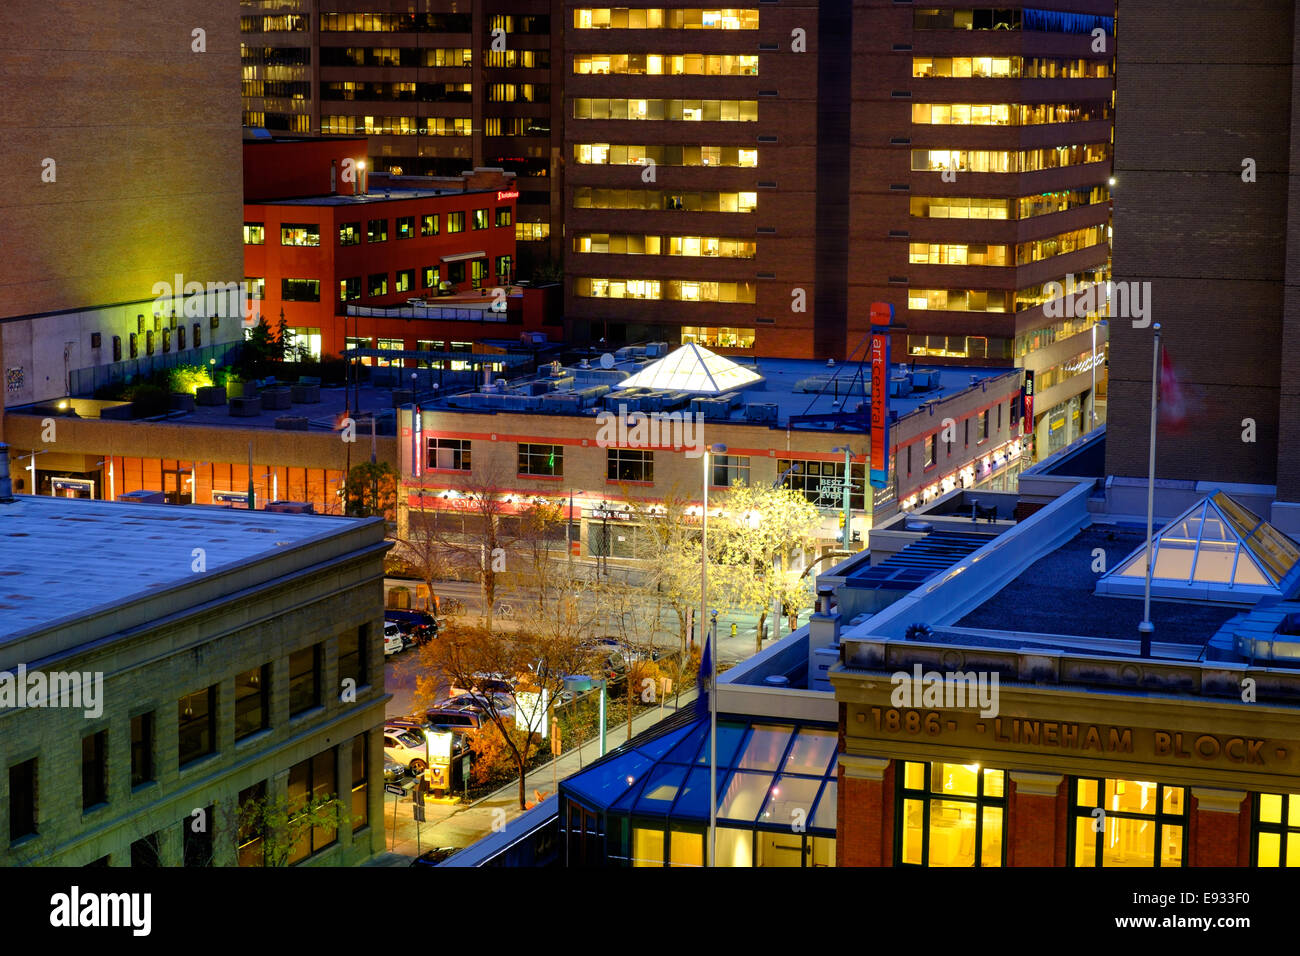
[(1127, 823), (1277, 829), (952, 815)]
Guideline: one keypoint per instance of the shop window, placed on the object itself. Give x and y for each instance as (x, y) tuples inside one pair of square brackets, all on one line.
[(625, 464), (1276, 821), (1126, 823), (541, 460), (449, 454), (951, 815)]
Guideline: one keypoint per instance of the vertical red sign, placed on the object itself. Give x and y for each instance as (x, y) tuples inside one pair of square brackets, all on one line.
[(882, 314)]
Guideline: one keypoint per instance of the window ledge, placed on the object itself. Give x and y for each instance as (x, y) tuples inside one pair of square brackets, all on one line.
[(257, 735), (542, 477), (625, 481)]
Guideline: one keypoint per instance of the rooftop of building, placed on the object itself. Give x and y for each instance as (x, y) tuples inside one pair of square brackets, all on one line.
[(63, 559), (1035, 587), (785, 390), (381, 195)]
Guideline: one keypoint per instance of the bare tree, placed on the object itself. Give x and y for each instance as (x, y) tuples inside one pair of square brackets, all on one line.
[(533, 662)]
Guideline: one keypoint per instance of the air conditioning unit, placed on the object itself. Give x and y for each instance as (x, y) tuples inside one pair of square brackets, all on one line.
[(765, 413)]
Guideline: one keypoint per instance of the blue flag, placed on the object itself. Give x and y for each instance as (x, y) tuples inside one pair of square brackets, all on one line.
[(703, 678)]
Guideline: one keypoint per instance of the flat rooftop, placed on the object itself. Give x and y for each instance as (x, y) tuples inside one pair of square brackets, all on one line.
[(793, 386), (63, 558), (1055, 595), (395, 194)]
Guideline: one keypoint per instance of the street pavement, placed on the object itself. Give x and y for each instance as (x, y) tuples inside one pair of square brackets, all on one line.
[(452, 823)]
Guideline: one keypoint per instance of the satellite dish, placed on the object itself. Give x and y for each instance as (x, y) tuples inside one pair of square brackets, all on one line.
[(607, 361)]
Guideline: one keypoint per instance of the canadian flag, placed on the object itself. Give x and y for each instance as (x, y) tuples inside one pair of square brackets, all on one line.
[(1173, 404)]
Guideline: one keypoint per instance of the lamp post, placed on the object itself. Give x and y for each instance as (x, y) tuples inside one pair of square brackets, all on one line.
[(848, 487), (1093, 400), (1146, 628), (717, 449), (713, 742), (568, 531), (778, 560)]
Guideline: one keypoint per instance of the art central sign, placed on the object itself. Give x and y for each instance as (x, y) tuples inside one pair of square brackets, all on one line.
[(882, 316)]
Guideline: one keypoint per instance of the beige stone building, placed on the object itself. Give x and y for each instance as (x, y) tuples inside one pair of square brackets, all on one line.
[(208, 658)]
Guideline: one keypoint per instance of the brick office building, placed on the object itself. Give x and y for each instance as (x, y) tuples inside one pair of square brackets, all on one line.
[(1207, 220), (811, 159), (1090, 749), (428, 87), (322, 232)]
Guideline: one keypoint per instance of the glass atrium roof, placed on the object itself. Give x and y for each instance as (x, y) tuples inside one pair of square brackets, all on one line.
[(767, 773), (692, 369), (1216, 546)]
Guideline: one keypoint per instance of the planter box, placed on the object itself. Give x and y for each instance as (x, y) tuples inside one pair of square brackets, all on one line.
[(291, 423), (308, 380), (304, 394), (211, 395), (241, 389), (118, 413), (245, 407), (182, 402), (276, 399)]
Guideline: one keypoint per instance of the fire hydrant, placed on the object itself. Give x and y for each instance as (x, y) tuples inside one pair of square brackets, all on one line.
[(733, 628)]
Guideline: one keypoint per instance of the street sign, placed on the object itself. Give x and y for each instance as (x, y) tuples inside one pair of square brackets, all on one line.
[(395, 789), (417, 809)]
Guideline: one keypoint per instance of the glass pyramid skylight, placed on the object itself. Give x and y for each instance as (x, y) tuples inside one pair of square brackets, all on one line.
[(1216, 548), (693, 369)]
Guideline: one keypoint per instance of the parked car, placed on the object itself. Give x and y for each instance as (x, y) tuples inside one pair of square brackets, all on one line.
[(435, 856), (502, 703), (394, 772), (393, 642), (419, 627), (406, 749), (451, 718), (421, 728)]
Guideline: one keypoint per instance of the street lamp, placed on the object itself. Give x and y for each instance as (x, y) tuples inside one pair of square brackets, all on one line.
[(779, 559), (712, 646), (848, 486), (1093, 401)]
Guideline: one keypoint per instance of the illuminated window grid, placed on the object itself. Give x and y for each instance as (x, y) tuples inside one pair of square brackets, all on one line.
[(1276, 825), (950, 815), (1139, 824)]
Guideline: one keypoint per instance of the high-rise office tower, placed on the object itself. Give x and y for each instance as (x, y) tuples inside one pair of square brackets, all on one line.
[(754, 178), (437, 86), (1207, 224)]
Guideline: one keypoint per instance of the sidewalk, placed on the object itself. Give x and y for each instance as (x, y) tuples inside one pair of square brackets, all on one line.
[(451, 823)]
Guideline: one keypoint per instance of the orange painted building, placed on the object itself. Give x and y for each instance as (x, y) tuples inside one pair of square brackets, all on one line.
[(321, 234)]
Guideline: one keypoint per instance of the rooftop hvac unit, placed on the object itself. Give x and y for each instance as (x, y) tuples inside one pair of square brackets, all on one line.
[(899, 386), (925, 379), (765, 413), (291, 507)]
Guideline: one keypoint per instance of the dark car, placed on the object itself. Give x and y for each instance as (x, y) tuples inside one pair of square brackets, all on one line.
[(452, 718), (434, 857), (418, 627)]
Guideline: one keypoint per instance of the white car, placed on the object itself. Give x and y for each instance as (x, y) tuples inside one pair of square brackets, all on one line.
[(406, 749), (393, 641)]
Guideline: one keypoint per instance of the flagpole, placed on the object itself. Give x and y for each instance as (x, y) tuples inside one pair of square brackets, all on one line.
[(1146, 628)]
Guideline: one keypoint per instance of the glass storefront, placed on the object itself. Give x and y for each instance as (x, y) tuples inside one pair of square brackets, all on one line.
[(647, 803)]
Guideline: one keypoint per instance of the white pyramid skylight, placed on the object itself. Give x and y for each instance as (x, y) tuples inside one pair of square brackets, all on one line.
[(1216, 550), (693, 369)]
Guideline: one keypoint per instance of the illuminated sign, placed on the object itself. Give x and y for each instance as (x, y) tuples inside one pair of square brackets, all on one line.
[(882, 314), (507, 194), (1028, 392)]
